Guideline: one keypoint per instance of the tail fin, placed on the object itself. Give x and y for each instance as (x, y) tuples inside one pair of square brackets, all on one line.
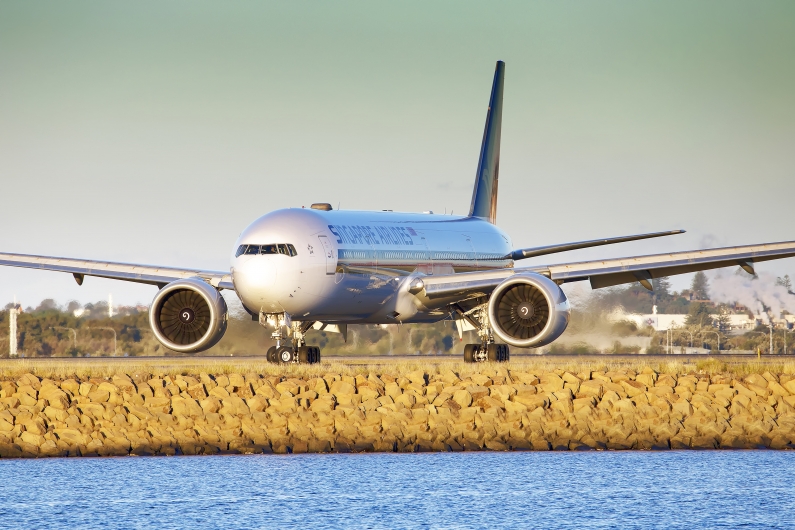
[(484, 196)]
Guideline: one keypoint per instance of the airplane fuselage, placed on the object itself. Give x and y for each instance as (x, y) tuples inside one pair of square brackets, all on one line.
[(350, 266)]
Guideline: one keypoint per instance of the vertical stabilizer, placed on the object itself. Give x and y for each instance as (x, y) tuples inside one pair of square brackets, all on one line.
[(484, 196)]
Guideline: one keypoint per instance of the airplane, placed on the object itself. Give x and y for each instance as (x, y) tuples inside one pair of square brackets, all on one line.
[(298, 269)]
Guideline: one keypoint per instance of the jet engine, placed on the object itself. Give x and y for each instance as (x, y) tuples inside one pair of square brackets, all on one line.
[(528, 310), (188, 315)]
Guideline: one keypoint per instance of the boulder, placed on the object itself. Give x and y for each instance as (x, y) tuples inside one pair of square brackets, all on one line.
[(633, 388), (462, 398), (591, 388), (551, 383), (342, 388)]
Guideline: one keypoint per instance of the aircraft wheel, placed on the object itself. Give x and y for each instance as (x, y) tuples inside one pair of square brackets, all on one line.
[(316, 356), (469, 353), (506, 353), (494, 352), (285, 354), (271, 355), (305, 354)]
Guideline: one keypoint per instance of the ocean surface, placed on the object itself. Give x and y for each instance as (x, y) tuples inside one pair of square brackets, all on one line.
[(687, 489)]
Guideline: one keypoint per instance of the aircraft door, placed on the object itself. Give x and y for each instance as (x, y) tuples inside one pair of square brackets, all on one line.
[(472, 262), (331, 259), (425, 264)]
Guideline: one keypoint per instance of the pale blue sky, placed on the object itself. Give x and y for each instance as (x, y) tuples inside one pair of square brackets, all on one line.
[(154, 132)]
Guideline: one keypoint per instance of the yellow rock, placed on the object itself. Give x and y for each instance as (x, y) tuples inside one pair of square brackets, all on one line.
[(342, 388), (633, 388), (219, 392), (591, 388), (98, 396), (32, 438), (501, 392), (551, 383), (776, 389), (27, 389), (463, 398)]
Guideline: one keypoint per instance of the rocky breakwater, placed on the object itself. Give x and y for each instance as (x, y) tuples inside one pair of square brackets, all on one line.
[(492, 409)]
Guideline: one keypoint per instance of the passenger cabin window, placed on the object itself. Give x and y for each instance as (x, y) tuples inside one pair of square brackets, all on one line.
[(275, 248)]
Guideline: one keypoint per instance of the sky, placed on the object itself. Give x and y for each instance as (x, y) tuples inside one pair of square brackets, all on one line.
[(154, 132)]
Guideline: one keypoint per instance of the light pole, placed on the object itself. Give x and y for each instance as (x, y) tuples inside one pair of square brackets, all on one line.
[(771, 335), (717, 335), (114, 336), (691, 336), (751, 332), (73, 330)]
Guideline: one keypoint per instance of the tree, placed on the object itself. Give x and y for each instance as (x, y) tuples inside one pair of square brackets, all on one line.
[(723, 321), (785, 282), (700, 286), (662, 288), (698, 315)]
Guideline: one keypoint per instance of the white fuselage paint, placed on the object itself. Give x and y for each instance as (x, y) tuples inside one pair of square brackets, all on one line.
[(355, 266)]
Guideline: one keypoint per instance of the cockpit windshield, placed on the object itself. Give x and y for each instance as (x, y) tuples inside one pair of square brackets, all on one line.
[(272, 248)]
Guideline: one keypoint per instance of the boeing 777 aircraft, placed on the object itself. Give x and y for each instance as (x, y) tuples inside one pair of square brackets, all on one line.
[(296, 269)]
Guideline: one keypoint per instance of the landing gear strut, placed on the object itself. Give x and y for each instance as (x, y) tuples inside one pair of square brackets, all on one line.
[(487, 350), (295, 352)]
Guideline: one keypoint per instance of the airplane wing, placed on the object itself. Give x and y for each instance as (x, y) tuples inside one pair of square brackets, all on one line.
[(524, 253), (606, 273), (131, 272)]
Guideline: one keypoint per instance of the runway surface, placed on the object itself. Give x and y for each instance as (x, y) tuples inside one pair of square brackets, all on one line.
[(188, 361)]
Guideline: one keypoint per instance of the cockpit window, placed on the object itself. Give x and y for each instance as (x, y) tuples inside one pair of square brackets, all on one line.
[(274, 248)]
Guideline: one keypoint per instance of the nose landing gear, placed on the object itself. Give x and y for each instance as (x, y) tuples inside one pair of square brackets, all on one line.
[(297, 351)]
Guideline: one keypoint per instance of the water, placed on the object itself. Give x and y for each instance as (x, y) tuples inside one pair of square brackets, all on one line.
[(714, 489)]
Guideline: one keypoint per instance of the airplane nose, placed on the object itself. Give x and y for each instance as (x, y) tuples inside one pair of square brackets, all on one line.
[(255, 274)]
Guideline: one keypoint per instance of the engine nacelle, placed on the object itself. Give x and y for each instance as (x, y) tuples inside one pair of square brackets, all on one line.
[(188, 315), (528, 310)]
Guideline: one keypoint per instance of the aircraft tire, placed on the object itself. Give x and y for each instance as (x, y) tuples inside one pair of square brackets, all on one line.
[(316, 356), (469, 353), (271, 355), (305, 354), (506, 353), (494, 352), (285, 354)]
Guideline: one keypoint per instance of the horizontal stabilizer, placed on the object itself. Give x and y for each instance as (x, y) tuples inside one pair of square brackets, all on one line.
[(554, 249)]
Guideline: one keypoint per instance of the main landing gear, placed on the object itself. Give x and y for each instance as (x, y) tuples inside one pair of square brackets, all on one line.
[(287, 354), (296, 351), (487, 350), (479, 353)]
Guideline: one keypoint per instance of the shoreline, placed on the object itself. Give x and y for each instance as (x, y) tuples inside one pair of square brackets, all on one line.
[(168, 409)]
